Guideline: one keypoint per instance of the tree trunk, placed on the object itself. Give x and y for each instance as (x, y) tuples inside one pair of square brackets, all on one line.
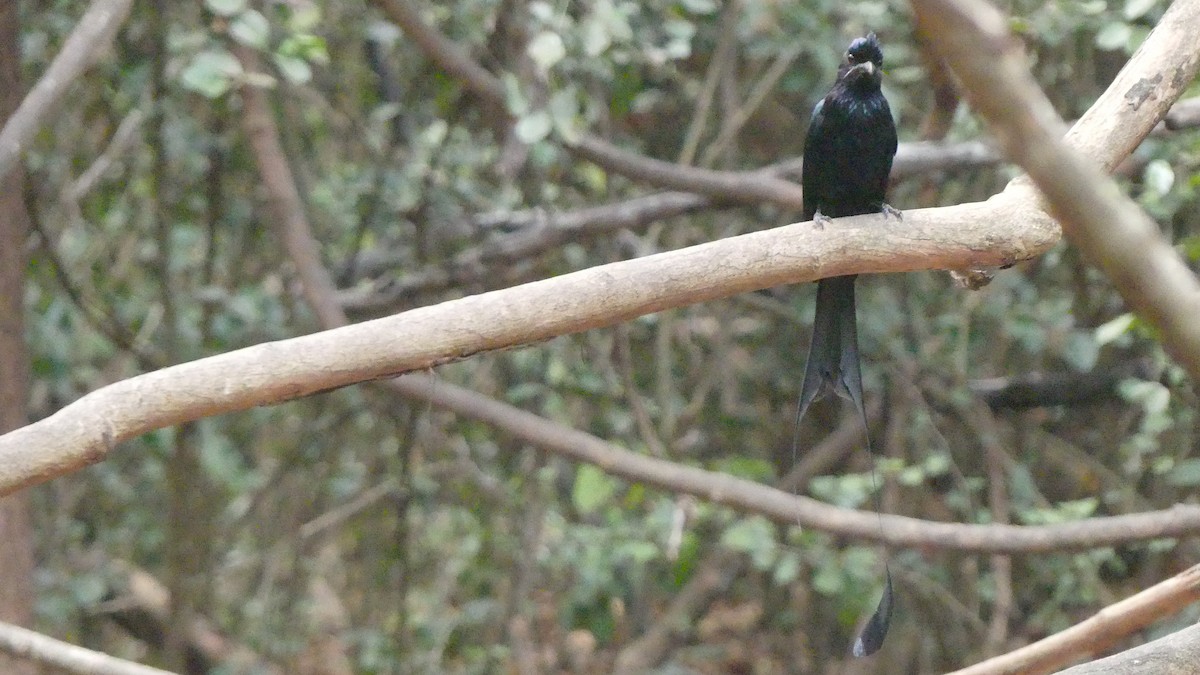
[(16, 533)]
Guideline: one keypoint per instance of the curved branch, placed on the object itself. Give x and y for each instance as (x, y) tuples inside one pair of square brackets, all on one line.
[(93, 33), (92, 425), (994, 233), (537, 231), (1111, 229), (734, 186)]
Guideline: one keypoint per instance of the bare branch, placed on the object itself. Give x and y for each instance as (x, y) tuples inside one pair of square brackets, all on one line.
[(539, 231), (1142, 93), (729, 185), (1112, 230), (751, 186), (992, 233), (1103, 630), (63, 655), (1174, 654), (444, 52), (93, 33)]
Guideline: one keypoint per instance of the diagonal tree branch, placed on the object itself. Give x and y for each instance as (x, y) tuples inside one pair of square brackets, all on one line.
[(1111, 229), (1099, 632), (85, 431), (1174, 654), (65, 656), (94, 31)]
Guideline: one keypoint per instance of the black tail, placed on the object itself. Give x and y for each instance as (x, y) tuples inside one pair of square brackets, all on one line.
[(833, 365), (833, 356)]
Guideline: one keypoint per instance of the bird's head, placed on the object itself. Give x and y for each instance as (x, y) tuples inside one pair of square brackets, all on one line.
[(863, 67)]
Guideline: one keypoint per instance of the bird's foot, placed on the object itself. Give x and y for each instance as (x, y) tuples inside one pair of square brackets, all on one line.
[(820, 220), (889, 210)]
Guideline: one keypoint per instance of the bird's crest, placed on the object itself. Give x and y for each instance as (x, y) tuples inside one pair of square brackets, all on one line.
[(865, 49)]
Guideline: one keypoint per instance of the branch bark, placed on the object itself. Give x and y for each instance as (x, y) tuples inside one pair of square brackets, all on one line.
[(734, 186), (93, 33), (994, 233), (17, 560), (62, 655), (1175, 654), (1113, 232), (1103, 630)]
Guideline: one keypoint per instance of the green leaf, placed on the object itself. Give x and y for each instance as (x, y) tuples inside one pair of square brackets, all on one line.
[(1190, 247), (638, 551), (750, 468), (564, 113), (1153, 396), (1082, 350), (749, 535), (225, 7), (1114, 328), (592, 488), (296, 71), (1159, 176), (1063, 512), (304, 18), (514, 99), (534, 127), (1136, 9), (1114, 36), (546, 49), (211, 73), (305, 46), (1185, 474), (700, 6), (828, 580), (251, 29), (787, 569)]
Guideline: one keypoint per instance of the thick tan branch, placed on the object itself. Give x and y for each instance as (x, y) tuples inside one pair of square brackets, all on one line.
[(1101, 631), (992, 233), (1174, 654), (124, 409), (973, 37)]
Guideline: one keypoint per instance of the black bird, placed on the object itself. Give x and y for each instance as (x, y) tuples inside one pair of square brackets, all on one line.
[(847, 157)]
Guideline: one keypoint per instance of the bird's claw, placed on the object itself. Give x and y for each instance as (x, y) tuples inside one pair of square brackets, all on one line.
[(889, 210), (820, 220)]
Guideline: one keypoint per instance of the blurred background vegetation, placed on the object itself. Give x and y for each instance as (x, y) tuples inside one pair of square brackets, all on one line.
[(358, 532)]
